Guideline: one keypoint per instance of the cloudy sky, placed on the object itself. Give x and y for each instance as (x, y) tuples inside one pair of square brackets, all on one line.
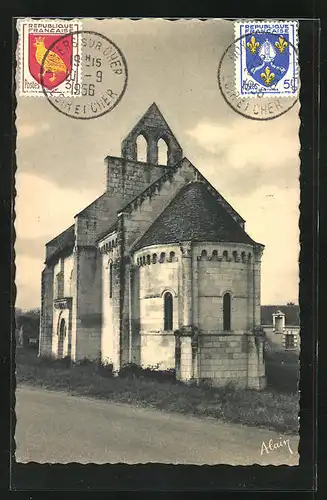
[(253, 164)]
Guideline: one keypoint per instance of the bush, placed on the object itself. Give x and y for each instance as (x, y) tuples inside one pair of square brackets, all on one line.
[(105, 370), (132, 370), (86, 362)]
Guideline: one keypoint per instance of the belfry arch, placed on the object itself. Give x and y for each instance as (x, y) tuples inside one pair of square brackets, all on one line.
[(163, 152), (154, 128), (141, 148)]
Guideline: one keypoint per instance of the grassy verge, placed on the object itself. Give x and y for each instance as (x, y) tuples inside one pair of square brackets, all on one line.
[(270, 409)]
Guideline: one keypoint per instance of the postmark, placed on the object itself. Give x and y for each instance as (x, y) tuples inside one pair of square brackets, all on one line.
[(104, 72), (35, 36), (253, 80)]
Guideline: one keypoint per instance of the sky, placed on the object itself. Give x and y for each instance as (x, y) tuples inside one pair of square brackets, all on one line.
[(253, 164)]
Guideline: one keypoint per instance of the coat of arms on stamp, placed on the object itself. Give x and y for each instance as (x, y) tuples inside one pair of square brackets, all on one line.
[(42, 61), (266, 58)]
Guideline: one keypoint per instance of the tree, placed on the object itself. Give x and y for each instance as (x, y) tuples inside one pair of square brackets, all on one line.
[(29, 321)]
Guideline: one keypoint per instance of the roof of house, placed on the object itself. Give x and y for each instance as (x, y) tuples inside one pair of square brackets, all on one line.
[(292, 314), (194, 214)]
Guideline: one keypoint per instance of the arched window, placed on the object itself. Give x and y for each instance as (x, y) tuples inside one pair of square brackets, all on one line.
[(148, 259), (204, 255), (141, 148), (162, 257), (227, 312), (214, 255), (168, 311), (249, 258), (162, 152), (225, 255), (235, 256), (243, 257), (172, 256), (110, 280), (154, 258), (62, 328)]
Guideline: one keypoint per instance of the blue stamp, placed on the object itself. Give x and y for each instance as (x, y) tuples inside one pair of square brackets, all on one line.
[(266, 60)]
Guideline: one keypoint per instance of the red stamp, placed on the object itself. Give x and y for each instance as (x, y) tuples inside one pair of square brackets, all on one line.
[(45, 56)]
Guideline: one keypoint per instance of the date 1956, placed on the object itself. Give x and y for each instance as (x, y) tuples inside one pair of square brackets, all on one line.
[(275, 445)]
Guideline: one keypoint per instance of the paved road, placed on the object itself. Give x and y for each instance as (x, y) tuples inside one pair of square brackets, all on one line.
[(56, 427)]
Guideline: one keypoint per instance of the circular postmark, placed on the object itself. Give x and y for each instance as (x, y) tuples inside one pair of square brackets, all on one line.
[(251, 86), (95, 74)]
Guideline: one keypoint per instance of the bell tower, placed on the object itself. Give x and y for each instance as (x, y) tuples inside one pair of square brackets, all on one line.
[(154, 128)]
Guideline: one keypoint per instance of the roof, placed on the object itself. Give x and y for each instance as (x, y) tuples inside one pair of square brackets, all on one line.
[(105, 233), (63, 241), (194, 214), (168, 174), (292, 314)]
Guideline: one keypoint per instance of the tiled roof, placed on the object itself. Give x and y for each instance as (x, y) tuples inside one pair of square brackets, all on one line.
[(168, 175), (292, 314), (63, 241), (194, 214)]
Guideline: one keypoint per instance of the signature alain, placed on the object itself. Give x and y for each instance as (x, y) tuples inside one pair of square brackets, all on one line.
[(272, 446)]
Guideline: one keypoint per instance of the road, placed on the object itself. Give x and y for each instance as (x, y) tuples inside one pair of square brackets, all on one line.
[(57, 427)]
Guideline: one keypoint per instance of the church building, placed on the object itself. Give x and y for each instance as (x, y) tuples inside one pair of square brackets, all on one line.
[(157, 271)]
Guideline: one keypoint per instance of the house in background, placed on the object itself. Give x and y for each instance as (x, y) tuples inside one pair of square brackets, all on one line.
[(281, 325)]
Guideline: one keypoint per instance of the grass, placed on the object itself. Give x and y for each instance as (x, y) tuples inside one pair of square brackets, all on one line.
[(269, 408)]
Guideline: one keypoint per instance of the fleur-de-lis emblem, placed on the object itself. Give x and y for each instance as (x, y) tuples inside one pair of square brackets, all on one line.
[(281, 44), (253, 45), (267, 76)]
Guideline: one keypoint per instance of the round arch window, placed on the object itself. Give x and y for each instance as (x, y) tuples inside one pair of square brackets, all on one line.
[(227, 311), (168, 311)]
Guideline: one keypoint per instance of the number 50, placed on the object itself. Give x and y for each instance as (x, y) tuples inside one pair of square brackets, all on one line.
[(289, 84)]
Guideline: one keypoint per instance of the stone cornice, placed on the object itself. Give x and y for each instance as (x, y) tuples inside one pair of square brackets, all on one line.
[(186, 248)]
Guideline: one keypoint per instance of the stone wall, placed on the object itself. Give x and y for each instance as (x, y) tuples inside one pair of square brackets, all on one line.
[(46, 319), (158, 350), (147, 208), (96, 219), (63, 286), (58, 315), (222, 270), (110, 328), (236, 358), (88, 303), (154, 279), (68, 275), (128, 178)]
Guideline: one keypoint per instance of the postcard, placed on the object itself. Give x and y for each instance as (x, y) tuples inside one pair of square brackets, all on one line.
[(157, 241)]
